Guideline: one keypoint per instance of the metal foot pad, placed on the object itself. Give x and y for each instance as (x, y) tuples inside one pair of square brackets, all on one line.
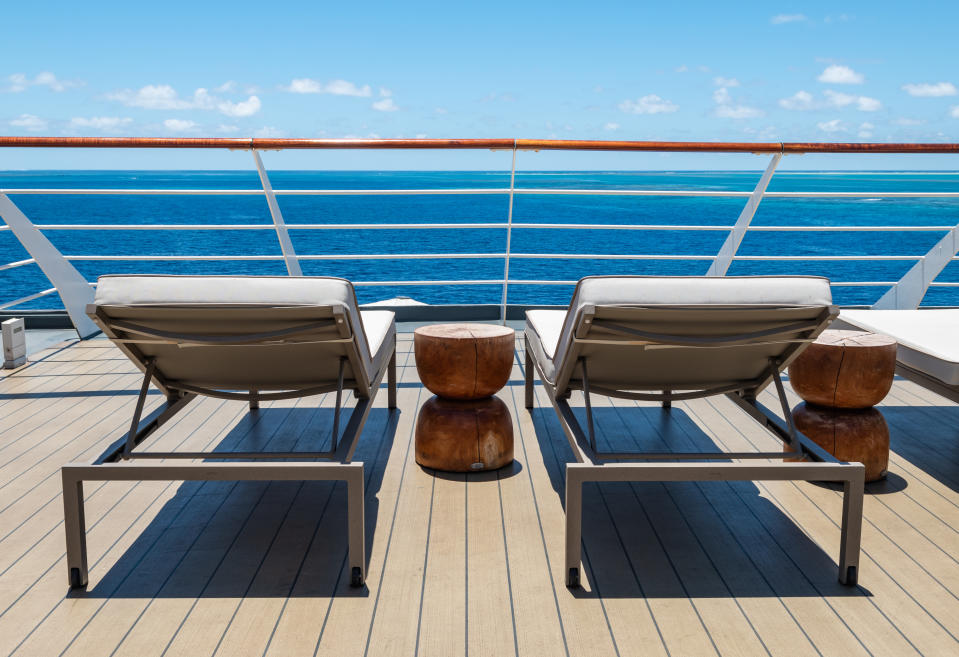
[(356, 577), (76, 582), (852, 576)]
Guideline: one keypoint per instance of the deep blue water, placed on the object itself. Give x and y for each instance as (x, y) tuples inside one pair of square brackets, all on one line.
[(483, 208)]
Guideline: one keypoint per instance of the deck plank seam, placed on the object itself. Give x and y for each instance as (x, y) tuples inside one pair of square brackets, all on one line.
[(667, 490), (389, 538), (773, 497), (194, 491)]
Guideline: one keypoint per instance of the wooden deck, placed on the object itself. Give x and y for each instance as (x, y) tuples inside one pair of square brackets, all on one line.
[(461, 563)]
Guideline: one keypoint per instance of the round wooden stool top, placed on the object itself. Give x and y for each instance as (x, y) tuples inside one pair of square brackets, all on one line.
[(845, 369), (464, 361), (464, 436)]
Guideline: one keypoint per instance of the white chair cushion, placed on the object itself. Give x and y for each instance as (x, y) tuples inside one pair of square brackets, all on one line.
[(252, 291), (543, 329)]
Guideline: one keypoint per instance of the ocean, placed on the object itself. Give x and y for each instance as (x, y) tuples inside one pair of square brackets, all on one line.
[(147, 210)]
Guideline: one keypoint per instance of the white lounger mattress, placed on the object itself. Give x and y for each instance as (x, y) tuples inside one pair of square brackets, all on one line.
[(928, 339)]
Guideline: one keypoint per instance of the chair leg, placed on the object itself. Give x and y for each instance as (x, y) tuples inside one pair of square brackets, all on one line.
[(357, 530), (574, 526), (667, 403), (391, 381), (851, 536), (74, 524), (529, 377)]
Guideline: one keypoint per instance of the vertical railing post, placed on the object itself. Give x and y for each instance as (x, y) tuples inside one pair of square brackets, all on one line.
[(73, 288), (909, 290), (286, 245), (729, 248), (509, 232)]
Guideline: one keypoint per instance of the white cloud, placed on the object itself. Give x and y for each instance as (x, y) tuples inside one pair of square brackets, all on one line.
[(344, 88), (20, 82), (954, 112), (865, 130), (268, 132), (304, 86), (226, 128), (908, 122), (681, 69), (650, 104), (179, 125), (803, 101), (384, 105), (161, 96), (738, 112), (248, 107), (611, 127), (779, 19), (165, 97), (101, 123), (837, 74), (726, 82), (227, 87), (29, 122), (441, 110), (831, 126), (931, 90), (863, 103), (385, 93), (421, 135), (334, 87), (727, 110), (800, 101)]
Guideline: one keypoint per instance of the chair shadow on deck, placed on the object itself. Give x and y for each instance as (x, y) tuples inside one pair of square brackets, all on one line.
[(253, 539), (686, 539), (928, 438)]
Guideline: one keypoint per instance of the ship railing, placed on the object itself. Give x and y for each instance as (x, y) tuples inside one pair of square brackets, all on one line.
[(75, 292)]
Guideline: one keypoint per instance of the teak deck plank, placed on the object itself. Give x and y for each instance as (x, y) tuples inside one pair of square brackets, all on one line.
[(462, 563)]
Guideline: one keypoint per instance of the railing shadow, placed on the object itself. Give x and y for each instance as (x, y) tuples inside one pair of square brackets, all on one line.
[(254, 539), (684, 539)]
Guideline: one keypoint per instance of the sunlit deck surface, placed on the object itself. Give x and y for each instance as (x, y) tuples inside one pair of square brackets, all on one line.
[(460, 563)]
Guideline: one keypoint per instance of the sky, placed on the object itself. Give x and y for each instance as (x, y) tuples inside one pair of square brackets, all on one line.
[(710, 71)]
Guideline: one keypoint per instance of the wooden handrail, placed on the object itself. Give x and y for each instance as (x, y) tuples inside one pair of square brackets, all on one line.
[(505, 144)]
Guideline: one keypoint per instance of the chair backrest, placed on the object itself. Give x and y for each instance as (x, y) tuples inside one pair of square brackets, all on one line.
[(688, 333), (237, 332)]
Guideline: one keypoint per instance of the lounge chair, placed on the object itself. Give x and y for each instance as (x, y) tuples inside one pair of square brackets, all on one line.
[(245, 338), (928, 351), (675, 338)]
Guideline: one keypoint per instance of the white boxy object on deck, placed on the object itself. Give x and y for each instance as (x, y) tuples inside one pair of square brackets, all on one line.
[(14, 343)]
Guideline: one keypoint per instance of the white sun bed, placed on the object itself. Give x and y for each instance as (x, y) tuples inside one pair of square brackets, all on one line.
[(246, 338), (675, 338), (928, 351)]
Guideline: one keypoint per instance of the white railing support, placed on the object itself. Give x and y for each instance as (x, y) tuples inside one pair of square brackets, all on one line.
[(286, 245), (75, 291), (729, 248), (908, 292), (509, 231)]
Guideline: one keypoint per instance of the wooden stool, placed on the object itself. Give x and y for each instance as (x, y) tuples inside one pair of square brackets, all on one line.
[(464, 436), (849, 435), (464, 361), (463, 428), (845, 369), (841, 376)]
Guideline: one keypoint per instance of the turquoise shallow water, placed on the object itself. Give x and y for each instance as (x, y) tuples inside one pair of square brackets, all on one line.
[(485, 208)]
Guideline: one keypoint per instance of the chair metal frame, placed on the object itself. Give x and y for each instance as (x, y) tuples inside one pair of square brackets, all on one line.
[(593, 465), (117, 462)]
